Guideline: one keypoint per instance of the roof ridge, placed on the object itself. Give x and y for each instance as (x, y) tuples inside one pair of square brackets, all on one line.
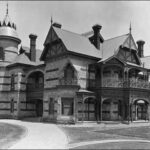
[(116, 37), (70, 32)]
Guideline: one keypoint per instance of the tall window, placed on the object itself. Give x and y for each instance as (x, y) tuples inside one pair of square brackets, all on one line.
[(67, 106), (12, 106), (69, 73), (12, 82), (51, 106), (2, 54), (92, 76)]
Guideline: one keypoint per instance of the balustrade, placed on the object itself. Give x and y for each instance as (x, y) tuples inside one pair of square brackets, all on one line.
[(68, 82), (120, 83)]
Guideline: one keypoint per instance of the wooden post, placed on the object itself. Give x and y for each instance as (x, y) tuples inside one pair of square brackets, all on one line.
[(131, 112), (135, 110), (82, 108), (101, 109), (97, 110)]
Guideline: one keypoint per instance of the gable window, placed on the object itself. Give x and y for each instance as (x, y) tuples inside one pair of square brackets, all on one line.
[(2, 54), (69, 76), (12, 82), (67, 106)]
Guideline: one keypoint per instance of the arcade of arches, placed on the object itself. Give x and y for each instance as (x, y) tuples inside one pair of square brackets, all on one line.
[(114, 110)]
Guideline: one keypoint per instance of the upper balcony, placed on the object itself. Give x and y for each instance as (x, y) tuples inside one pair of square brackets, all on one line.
[(71, 82), (130, 83)]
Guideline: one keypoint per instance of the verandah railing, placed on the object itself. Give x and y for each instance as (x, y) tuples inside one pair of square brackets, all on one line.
[(131, 83)]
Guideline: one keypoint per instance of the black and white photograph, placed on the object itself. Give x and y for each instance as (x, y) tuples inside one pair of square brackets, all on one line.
[(75, 75)]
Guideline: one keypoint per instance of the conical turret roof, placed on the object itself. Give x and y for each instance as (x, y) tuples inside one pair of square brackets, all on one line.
[(8, 28)]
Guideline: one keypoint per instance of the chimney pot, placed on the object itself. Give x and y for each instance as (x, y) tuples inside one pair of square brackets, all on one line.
[(140, 44), (33, 47)]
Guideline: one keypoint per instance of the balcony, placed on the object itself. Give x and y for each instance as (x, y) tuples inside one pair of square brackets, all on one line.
[(68, 82), (120, 83)]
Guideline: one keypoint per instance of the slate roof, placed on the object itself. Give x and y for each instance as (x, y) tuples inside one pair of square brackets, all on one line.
[(77, 43), (110, 47)]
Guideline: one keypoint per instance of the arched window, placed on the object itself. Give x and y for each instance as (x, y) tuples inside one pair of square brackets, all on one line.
[(2, 54), (69, 73), (12, 82)]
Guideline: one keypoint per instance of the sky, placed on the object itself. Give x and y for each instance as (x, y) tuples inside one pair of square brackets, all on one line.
[(79, 17)]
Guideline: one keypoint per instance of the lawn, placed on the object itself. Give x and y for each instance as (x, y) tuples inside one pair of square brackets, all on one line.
[(9, 134), (83, 134), (118, 145), (140, 132)]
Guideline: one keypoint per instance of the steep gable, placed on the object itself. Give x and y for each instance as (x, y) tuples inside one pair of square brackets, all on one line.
[(53, 46), (71, 42)]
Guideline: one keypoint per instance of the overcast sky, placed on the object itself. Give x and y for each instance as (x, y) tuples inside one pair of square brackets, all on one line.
[(80, 16)]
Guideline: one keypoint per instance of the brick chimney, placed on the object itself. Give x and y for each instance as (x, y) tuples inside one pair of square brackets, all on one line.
[(96, 29), (33, 47), (140, 44)]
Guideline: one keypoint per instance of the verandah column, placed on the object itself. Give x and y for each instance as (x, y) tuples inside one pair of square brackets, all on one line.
[(100, 106), (100, 94), (148, 112)]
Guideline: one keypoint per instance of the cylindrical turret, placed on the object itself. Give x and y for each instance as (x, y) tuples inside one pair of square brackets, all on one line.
[(9, 41)]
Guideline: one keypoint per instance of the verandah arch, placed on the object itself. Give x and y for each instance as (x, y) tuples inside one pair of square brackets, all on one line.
[(89, 108), (112, 109), (140, 109)]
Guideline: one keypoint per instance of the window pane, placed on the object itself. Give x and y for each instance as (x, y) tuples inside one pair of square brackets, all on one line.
[(67, 106)]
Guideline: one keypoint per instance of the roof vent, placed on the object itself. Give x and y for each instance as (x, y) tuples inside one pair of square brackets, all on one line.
[(57, 25)]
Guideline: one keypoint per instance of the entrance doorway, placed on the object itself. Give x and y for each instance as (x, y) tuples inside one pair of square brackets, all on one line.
[(39, 108), (89, 109), (140, 107)]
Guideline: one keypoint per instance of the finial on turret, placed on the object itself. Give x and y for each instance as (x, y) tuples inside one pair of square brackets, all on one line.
[(7, 9)]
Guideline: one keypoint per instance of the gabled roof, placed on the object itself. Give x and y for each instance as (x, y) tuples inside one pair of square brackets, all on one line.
[(77, 43), (111, 46)]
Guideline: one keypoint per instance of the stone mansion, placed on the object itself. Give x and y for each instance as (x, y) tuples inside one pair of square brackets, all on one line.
[(75, 78)]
